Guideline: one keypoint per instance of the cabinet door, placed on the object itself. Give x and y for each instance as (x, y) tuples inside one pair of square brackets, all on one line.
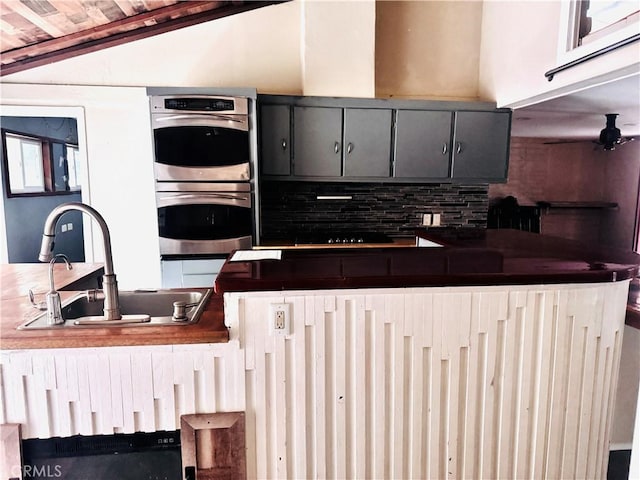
[(481, 145), (422, 144), (317, 147), (275, 140), (367, 142)]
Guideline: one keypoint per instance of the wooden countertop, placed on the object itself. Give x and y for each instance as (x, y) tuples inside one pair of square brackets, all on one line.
[(15, 308), (17, 278), (468, 257)]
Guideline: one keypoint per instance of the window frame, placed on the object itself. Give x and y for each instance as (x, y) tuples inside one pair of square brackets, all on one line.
[(46, 144)]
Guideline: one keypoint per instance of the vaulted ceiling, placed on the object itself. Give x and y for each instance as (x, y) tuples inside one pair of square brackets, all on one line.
[(38, 32)]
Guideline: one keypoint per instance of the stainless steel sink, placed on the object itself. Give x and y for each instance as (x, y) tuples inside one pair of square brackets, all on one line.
[(138, 308)]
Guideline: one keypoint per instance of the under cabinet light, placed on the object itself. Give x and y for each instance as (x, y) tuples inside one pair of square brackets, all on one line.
[(334, 197)]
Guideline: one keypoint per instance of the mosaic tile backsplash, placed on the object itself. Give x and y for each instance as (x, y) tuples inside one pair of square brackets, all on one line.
[(290, 208)]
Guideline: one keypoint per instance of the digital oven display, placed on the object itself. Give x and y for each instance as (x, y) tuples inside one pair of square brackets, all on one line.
[(199, 104)]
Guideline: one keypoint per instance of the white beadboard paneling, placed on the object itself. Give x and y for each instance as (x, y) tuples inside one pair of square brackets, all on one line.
[(87, 391), (466, 382)]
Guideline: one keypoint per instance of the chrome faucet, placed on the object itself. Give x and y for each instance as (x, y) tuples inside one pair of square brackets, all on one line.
[(54, 305), (109, 283)]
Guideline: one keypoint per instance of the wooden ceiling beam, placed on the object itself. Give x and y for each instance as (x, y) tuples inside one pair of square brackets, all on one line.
[(128, 24), (123, 31)]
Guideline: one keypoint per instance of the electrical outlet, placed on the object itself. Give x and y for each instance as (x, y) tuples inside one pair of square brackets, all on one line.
[(280, 318), (436, 220), (426, 219)]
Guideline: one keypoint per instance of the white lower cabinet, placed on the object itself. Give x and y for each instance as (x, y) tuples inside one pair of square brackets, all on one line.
[(200, 273)]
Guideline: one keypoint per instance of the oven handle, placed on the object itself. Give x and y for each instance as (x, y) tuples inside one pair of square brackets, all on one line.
[(240, 200), (217, 116), (189, 196)]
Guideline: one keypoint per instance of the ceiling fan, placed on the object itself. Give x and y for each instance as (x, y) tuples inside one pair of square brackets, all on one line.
[(609, 138)]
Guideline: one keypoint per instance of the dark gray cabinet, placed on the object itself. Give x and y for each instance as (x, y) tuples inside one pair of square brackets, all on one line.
[(480, 147), (423, 143), (275, 137), (337, 142), (336, 139), (317, 148), (460, 145), (367, 142)]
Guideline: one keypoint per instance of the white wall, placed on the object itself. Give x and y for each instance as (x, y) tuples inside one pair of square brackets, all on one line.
[(338, 48), (428, 49), (520, 43), (120, 170)]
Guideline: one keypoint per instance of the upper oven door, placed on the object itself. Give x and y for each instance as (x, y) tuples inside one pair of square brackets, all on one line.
[(201, 147)]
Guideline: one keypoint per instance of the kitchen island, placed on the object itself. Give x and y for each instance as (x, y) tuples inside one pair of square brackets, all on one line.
[(493, 355)]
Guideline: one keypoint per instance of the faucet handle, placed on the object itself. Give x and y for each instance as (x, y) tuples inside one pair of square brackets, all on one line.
[(54, 305), (38, 305), (54, 309)]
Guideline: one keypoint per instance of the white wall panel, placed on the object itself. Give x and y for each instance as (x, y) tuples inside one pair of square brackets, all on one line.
[(102, 391), (478, 382)]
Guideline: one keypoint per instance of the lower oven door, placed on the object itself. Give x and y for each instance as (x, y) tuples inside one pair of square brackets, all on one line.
[(201, 223)]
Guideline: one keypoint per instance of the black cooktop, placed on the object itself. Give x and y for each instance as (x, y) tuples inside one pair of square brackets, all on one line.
[(338, 238)]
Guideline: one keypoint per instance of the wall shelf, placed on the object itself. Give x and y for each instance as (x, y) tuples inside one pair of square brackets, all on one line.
[(577, 205)]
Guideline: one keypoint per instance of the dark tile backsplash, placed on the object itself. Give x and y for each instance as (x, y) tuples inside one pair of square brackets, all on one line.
[(289, 208)]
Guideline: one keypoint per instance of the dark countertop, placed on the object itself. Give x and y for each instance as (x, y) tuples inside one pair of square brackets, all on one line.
[(468, 257)]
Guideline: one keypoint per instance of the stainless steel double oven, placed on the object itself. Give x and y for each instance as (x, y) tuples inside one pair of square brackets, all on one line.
[(203, 168)]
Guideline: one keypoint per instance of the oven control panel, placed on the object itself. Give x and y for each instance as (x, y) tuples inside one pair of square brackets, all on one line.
[(199, 104)]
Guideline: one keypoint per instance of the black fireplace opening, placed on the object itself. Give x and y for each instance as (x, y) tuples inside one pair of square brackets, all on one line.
[(135, 456)]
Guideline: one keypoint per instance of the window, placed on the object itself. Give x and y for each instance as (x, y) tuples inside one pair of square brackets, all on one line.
[(73, 167), (590, 25), (25, 164), (39, 166), (601, 18)]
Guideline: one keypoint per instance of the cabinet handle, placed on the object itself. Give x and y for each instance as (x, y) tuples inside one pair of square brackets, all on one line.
[(284, 143), (444, 148), (336, 147), (349, 147), (458, 147)]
